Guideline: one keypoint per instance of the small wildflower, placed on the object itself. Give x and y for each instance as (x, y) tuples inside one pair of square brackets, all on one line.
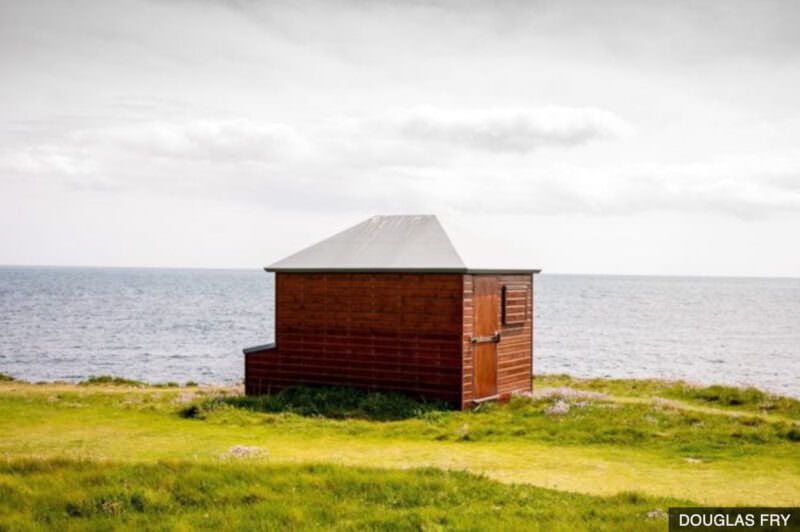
[(559, 408), (243, 451)]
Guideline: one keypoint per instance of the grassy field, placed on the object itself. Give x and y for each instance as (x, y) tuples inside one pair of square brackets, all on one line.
[(580, 454)]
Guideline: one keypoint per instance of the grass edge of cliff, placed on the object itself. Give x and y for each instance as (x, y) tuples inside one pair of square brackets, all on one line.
[(109, 460)]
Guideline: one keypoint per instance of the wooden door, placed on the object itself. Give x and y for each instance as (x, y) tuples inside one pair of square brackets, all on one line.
[(486, 335)]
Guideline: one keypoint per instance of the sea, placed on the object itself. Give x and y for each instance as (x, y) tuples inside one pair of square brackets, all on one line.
[(178, 325)]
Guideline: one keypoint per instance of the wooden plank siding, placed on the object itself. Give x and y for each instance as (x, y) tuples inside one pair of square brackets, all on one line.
[(515, 349), (468, 329), (376, 331), (401, 332)]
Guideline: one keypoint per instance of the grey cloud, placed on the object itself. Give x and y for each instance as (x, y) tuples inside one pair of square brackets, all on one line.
[(397, 163), (102, 149), (707, 188), (158, 157), (43, 161), (227, 140), (397, 142), (736, 187), (503, 130), (746, 186)]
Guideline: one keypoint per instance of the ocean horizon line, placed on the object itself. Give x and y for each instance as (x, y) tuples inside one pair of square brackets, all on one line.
[(544, 272)]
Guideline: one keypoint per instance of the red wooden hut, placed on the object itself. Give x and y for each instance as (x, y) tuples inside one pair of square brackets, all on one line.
[(389, 305)]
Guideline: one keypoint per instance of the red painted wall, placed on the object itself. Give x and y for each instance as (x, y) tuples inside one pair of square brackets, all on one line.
[(386, 331), (377, 331)]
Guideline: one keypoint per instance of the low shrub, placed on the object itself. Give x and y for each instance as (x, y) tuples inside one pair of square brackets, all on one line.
[(330, 402), (168, 384), (109, 380), (727, 395), (191, 412)]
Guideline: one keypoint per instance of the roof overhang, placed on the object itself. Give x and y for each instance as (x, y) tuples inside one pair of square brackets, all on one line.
[(477, 271)]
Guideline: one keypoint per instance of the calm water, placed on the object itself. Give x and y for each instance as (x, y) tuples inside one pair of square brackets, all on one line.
[(178, 325)]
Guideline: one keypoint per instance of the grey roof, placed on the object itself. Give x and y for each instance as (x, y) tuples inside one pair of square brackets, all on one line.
[(415, 243)]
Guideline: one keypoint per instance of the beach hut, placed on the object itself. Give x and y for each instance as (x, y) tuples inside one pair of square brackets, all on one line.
[(389, 305)]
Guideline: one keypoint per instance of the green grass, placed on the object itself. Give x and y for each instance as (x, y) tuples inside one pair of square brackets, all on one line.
[(70, 495), (589, 421), (570, 451)]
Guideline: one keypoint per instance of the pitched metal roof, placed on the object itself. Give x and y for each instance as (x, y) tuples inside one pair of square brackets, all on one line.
[(415, 243)]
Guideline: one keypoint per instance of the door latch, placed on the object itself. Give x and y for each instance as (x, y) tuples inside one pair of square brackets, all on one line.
[(495, 338)]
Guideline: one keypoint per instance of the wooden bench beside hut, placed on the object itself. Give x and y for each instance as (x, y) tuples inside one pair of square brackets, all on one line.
[(389, 305)]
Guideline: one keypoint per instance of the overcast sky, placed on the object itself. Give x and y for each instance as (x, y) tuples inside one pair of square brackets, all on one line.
[(595, 137)]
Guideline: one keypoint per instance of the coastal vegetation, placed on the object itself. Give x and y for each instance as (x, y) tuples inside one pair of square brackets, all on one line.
[(63, 495), (605, 454), (109, 380)]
